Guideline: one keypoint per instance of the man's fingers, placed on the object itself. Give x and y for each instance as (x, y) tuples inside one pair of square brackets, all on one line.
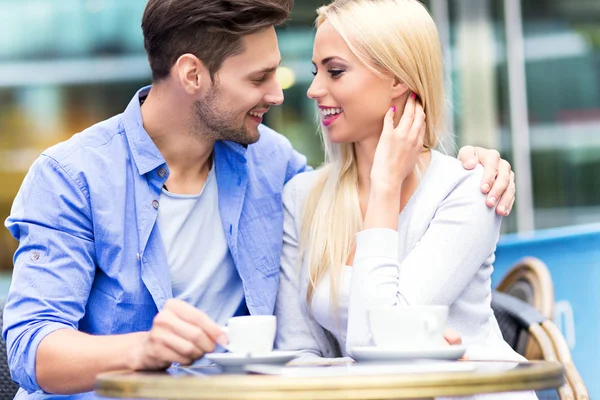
[(167, 354), (196, 317), (490, 159), (185, 330), (468, 156), (511, 206), (167, 348), (184, 348), (508, 197), (498, 179), (499, 186)]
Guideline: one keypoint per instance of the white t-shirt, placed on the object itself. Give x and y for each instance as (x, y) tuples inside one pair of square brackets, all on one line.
[(202, 270)]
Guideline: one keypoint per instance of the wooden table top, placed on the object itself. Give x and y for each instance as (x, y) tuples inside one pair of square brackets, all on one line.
[(204, 383)]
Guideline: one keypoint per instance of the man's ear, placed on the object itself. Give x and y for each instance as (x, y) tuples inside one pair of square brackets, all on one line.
[(191, 74), (398, 89)]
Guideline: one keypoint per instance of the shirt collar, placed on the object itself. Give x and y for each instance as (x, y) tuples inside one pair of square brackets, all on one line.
[(235, 148), (145, 154)]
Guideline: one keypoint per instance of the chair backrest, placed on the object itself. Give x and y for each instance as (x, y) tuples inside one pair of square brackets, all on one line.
[(8, 388), (530, 280), (520, 324)]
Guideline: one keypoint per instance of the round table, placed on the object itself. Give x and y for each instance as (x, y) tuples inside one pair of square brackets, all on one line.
[(487, 377)]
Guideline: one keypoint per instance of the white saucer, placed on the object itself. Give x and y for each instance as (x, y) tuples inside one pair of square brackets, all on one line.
[(238, 360), (373, 353)]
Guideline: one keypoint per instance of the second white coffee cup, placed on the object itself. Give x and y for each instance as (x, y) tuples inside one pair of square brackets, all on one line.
[(408, 327), (251, 333)]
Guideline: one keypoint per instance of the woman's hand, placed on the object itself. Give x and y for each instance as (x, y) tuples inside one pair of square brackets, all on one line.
[(399, 148), (395, 158), (452, 338)]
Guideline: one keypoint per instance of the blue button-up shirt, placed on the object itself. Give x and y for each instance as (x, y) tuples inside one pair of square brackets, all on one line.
[(90, 255)]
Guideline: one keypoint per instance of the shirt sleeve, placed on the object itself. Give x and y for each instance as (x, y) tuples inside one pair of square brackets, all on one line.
[(53, 266), (461, 237), (293, 330)]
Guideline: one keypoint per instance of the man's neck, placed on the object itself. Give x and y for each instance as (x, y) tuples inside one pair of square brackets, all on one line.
[(166, 118)]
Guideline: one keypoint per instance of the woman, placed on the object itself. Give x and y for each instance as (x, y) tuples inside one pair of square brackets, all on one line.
[(387, 221)]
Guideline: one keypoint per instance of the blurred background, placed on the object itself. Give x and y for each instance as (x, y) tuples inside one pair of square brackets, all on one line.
[(524, 78)]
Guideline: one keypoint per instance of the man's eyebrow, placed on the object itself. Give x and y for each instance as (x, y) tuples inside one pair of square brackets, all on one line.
[(267, 70)]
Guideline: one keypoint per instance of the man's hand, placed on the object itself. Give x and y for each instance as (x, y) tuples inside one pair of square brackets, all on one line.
[(498, 178), (180, 333)]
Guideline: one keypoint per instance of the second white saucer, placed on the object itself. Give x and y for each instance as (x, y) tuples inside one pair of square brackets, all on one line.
[(373, 353)]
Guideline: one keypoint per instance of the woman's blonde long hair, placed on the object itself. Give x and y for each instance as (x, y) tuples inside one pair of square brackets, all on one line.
[(396, 37)]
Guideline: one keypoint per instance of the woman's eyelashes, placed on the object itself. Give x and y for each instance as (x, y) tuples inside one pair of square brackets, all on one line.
[(333, 72)]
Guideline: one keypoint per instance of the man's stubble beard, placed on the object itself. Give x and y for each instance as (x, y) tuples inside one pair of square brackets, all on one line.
[(215, 123)]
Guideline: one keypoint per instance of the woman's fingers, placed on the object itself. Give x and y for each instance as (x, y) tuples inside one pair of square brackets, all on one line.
[(408, 116), (388, 120), (421, 138), (417, 132), (399, 147), (452, 337)]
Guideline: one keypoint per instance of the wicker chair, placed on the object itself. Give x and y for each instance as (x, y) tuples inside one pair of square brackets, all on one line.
[(8, 388), (521, 326), (525, 310), (530, 280)]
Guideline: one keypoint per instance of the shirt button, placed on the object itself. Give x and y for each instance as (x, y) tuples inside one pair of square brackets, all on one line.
[(162, 172), (139, 257), (155, 204), (35, 256)]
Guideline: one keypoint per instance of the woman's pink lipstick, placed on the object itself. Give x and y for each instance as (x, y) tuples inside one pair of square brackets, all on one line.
[(329, 119)]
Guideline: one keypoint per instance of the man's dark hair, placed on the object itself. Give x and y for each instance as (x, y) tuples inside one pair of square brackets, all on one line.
[(210, 29)]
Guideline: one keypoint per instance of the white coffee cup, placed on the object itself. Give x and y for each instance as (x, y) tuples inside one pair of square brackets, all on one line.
[(408, 327), (251, 333)]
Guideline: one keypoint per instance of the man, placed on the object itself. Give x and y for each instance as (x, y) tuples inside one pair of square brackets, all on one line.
[(172, 206)]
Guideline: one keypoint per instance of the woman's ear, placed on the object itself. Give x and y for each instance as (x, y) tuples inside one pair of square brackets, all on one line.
[(398, 89)]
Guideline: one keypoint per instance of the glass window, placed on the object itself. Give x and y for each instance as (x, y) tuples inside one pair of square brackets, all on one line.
[(562, 54)]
